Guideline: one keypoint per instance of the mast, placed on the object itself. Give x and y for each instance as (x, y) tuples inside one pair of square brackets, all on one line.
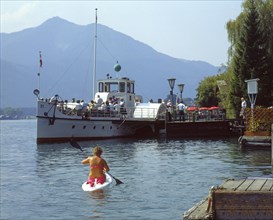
[(95, 55), (39, 73)]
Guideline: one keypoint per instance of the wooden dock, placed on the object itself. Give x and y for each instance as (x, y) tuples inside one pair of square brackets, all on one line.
[(250, 198), (188, 129)]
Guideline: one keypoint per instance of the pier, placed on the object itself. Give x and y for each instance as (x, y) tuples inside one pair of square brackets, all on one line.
[(212, 128), (258, 128), (250, 198)]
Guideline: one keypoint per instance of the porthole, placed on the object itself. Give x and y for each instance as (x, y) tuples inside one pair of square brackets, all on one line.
[(84, 127), (110, 127), (94, 127), (102, 127), (73, 126)]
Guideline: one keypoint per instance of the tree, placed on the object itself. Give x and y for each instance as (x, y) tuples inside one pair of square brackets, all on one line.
[(207, 92), (249, 54)]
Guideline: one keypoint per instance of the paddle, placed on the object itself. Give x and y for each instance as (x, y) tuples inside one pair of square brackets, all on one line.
[(73, 143), (117, 180)]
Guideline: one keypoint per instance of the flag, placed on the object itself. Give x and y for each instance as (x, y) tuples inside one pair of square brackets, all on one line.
[(41, 61)]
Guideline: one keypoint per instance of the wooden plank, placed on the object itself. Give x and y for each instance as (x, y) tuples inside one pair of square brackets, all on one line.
[(268, 185), (232, 184), (245, 185), (197, 212), (256, 185), (244, 214), (243, 200), (237, 199)]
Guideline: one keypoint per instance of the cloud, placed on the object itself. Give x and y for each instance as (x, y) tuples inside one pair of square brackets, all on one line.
[(19, 18)]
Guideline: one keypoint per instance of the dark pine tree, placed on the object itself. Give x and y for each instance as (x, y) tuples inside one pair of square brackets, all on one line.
[(250, 59)]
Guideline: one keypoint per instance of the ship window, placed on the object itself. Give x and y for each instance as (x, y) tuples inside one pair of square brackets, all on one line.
[(122, 87), (107, 87), (84, 126), (111, 127), (94, 127), (111, 87), (102, 127), (73, 126), (130, 87), (101, 87)]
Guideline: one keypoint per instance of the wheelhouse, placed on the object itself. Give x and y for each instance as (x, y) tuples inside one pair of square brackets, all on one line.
[(123, 85)]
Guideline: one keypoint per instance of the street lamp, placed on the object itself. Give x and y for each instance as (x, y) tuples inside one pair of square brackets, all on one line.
[(171, 83), (181, 87)]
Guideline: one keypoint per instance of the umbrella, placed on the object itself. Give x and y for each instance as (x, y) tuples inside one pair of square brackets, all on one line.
[(203, 108), (192, 108), (214, 108)]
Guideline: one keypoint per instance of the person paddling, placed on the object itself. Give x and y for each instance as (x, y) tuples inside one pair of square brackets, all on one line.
[(97, 167)]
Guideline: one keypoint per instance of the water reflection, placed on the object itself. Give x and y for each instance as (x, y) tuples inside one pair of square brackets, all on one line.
[(98, 194)]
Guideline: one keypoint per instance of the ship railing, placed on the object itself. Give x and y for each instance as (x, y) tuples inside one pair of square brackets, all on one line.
[(128, 113)]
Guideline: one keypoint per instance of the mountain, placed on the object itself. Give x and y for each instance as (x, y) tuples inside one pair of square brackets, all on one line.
[(67, 54)]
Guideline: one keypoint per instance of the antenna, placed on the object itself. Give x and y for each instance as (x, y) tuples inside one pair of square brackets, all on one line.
[(40, 66)]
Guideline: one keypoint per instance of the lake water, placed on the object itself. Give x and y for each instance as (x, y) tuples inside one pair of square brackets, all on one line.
[(162, 177)]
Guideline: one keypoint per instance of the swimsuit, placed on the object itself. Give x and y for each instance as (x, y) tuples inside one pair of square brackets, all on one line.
[(97, 180), (96, 166)]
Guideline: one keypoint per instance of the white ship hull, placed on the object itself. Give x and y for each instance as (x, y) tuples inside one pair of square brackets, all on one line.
[(65, 129), (54, 126)]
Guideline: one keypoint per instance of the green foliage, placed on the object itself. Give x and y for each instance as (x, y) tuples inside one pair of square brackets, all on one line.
[(250, 56), (250, 53), (207, 92)]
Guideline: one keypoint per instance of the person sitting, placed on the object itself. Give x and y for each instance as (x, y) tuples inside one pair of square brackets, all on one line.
[(98, 167)]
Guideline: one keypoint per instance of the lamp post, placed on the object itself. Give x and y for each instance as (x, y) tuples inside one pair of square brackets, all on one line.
[(171, 83), (252, 91), (181, 87)]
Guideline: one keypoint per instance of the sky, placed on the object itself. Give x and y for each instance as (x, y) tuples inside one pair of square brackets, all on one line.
[(191, 30)]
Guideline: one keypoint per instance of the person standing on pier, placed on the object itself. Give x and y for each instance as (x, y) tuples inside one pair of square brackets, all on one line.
[(169, 110), (243, 108), (181, 108)]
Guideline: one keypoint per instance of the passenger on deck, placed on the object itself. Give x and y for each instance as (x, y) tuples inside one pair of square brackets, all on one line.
[(122, 107), (116, 107), (91, 105), (98, 167), (99, 101), (111, 106), (84, 105), (107, 108), (102, 107)]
